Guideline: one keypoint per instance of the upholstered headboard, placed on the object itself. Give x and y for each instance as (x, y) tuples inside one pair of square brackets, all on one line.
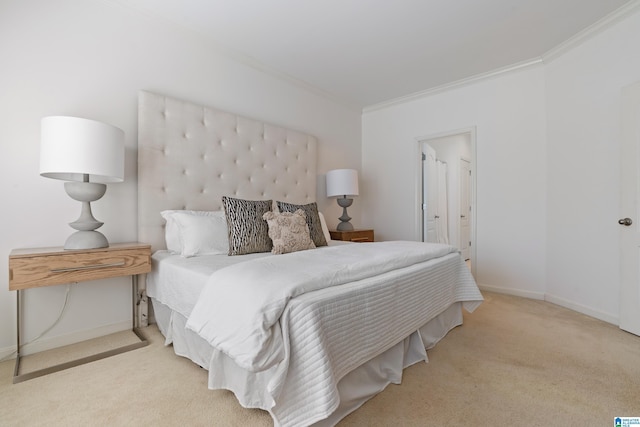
[(189, 156)]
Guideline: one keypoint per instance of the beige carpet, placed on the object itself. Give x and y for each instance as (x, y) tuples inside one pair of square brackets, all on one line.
[(514, 362)]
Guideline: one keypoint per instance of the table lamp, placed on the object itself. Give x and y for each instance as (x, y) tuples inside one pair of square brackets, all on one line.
[(87, 154), (342, 183)]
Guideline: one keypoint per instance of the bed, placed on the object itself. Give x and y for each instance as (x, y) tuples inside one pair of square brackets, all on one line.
[(310, 335)]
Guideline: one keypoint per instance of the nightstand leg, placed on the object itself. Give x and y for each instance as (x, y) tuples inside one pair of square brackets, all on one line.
[(141, 307), (16, 370), (137, 302), (134, 301), (17, 378)]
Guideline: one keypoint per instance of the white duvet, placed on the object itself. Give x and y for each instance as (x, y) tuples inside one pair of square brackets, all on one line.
[(238, 310)]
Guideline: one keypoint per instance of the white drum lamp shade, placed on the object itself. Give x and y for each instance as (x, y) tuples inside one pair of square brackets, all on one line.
[(342, 183), (71, 147), (88, 154)]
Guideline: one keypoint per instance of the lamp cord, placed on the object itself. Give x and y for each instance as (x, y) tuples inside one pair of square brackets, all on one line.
[(43, 333)]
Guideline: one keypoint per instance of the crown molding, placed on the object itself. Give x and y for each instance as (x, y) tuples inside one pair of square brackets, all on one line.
[(594, 29), (608, 21), (454, 85), (618, 15)]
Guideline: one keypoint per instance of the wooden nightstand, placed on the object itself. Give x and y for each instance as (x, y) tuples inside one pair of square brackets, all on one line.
[(352, 236), (32, 268)]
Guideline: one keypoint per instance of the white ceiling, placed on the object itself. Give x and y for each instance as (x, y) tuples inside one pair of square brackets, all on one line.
[(364, 52)]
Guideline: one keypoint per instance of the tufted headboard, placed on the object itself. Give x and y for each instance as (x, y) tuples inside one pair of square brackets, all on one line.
[(189, 156)]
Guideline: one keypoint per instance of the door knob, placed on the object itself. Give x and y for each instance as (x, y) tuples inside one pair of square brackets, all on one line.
[(625, 221)]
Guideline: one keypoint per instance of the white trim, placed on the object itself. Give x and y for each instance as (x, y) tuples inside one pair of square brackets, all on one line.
[(599, 26), (605, 317), (6, 352), (67, 339), (514, 292), (454, 85), (578, 308), (592, 30)]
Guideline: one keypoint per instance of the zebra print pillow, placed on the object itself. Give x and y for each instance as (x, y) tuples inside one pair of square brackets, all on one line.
[(313, 220), (248, 232)]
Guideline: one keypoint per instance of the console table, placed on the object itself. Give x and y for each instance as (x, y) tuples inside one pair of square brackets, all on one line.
[(32, 268)]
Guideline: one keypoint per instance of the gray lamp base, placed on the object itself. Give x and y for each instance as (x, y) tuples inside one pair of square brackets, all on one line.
[(344, 225), (86, 237), (86, 240)]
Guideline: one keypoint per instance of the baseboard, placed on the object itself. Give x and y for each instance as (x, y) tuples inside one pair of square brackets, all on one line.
[(605, 317), (510, 291), (7, 353), (62, 340)]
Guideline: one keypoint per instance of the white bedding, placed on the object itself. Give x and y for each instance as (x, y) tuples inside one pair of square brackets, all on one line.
[(337, 338), (239, 308), (177, 281), (325, 336)]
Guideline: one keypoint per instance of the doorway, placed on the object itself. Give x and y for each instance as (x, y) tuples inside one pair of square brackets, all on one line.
[(447, 191)]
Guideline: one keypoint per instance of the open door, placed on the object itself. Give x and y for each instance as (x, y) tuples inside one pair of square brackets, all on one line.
[(630, 221), (465, 208), (429, 194)]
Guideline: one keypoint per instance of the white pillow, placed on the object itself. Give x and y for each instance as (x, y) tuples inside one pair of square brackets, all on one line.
[(325, 229), (191, 233)]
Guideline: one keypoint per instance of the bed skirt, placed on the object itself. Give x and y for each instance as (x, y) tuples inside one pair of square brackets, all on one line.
[(354, 389)]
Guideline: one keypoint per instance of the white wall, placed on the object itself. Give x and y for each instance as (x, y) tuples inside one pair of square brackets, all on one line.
[(547, 169), (508, 113), (89, 58), (583, 88)]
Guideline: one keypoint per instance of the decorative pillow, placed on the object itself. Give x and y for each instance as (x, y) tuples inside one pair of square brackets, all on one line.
[(313, 220), (192, 233), (325, 229), (288, 231), (248, 233)]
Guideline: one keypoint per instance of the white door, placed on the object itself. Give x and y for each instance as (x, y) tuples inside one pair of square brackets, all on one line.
[(630, 221), (442, 211), (465, 208), (429, 193)]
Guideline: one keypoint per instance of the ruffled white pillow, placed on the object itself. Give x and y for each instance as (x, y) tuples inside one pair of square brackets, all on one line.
[(288, 231)]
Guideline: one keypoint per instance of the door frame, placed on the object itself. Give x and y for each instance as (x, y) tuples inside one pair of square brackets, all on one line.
[(418, 232)]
